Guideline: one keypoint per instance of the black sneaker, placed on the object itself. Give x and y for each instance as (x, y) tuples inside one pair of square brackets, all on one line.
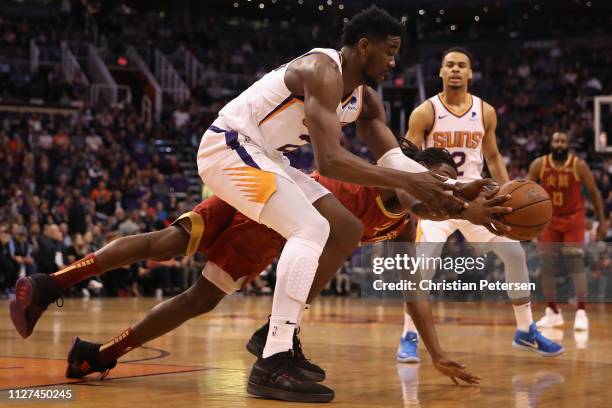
[(83, 360), (312, 371), (278, 377), (32, 296), (257, 343)]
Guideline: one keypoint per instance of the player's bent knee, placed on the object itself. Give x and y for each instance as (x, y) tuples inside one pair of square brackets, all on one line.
[(511, 252), (167, 243), (315, 229)]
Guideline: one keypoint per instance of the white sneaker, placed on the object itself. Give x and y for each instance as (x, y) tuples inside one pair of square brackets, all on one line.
[(550, 319), (95, 285), (581, 321)]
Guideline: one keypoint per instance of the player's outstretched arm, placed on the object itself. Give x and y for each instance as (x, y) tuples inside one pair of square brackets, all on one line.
[(491, 153), (420, 123), (586, 177), (322, 86), (421, 314), (535, 168), (419, 308), (483, 210)]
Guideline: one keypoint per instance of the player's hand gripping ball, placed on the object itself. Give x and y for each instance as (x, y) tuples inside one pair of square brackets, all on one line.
[(531, 209)]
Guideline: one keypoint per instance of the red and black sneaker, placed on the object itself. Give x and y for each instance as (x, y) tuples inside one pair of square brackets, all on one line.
[(83, 360), (257, 343), (278, 377), (33, 294)]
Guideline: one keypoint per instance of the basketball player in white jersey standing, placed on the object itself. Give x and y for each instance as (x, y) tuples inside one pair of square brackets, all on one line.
[(465, 125), (241, 159)]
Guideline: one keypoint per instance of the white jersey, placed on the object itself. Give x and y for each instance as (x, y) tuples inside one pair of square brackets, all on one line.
[(270, 116), (461, 135)]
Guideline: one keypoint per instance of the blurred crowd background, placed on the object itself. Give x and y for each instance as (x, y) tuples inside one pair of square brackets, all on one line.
[(76, 172)]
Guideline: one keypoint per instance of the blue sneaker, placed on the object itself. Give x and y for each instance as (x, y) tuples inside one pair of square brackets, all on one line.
[(533, 340), (408, 352)]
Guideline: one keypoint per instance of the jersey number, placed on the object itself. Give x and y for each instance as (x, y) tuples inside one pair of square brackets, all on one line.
[(459, 162), (557, 198)]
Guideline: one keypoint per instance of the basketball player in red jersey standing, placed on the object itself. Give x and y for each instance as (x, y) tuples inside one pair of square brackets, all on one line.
[(563, 174)]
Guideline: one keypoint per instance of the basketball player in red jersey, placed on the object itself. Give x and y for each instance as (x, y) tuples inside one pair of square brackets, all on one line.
[(562, 175), (238, 249)]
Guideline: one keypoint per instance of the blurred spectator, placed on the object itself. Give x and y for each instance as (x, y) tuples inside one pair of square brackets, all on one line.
[(51, 250), (21, 252), (8, 272), (130, 226)]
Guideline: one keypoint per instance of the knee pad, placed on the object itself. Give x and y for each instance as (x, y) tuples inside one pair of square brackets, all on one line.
[(300, 279), (510, 252), (302, 259)]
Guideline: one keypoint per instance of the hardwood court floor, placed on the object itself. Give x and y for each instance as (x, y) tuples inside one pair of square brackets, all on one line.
[(204, 363)]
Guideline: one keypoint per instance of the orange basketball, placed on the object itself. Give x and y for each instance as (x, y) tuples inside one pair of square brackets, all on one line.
[(531, 209)]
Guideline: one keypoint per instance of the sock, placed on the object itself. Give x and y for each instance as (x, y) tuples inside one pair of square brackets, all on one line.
[(523, 316), (280, 337), (118, 346), (408, 324), (299, 320), (80, 270), (581, 305), (294, 275), (553, 306)]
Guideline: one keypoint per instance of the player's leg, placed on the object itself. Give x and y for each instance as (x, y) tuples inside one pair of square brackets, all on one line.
[(430, 238), (246, 178), (36, 292), (573, 258), (290, 213), (549, 240), (85, 357), (512, 255), (345, 232), (235, 251)]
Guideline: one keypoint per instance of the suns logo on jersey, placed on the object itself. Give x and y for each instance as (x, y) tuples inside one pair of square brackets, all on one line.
[(461, 138)]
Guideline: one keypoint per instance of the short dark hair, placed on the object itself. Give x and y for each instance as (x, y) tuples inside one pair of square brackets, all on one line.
[(432, 156), (460, 50), (373, 23)]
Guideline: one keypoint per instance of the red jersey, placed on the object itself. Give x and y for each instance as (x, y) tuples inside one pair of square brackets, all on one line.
[(365, 203), (563, 186), (243, 248)]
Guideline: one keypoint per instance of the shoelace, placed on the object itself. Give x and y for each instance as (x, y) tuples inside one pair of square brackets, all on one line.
[(541, 339), (297, 347)]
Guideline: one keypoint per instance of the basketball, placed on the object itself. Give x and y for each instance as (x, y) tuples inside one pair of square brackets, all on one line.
[(531, 209)]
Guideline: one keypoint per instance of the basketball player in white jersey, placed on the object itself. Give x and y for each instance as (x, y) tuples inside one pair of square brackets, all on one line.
[(465, 125), (241, 159)]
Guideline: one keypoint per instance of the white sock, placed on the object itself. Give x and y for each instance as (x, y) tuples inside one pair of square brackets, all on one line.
[(280, 336), (302, 312), (523, 316), (408, 324), (295, 272)]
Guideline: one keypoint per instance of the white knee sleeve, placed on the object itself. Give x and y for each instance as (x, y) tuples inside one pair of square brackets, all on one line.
[(289, 213), (301, 269), (515, 266)]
